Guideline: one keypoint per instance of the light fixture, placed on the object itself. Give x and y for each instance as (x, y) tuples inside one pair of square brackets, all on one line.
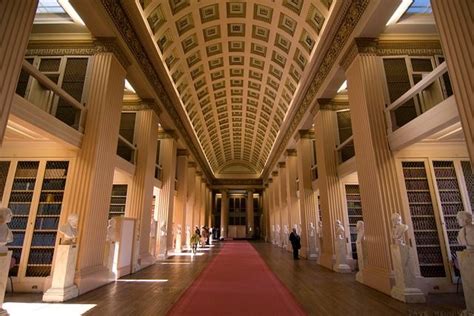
[(129, 87), (399, 11), (343, 87), (71, 11)]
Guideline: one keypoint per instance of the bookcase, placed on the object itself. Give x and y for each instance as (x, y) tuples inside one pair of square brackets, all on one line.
[(118, 200), (422, 213), (354, 213), (34, 191)]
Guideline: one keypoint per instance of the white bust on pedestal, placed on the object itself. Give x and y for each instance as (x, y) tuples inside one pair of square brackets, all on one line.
[(188, 237), (6, 237), (466, 259), (285, 237), (405, 288), (341, 250), (361, 250), (64, 269), (278, 237), (312, 242), (178, 238)]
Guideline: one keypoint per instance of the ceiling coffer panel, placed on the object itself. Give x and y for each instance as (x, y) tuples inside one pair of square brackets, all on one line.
[(236, 67)]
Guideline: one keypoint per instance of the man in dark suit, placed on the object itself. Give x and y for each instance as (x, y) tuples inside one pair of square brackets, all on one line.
[(295, 243)]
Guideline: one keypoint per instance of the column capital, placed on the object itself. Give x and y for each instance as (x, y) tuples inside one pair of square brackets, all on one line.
[(291, 152), (192, 164), (360, 45), (198, 173), (275, 174), (183, 152), (250, 191), (168, 134), (281, 165), (110, 45), (270, 180), (333, 104), (305, 134)]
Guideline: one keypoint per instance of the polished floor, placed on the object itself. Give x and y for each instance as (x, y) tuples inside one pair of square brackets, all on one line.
[(154, 290)]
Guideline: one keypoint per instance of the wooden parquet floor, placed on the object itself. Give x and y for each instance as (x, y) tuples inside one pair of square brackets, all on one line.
[(318, 290)]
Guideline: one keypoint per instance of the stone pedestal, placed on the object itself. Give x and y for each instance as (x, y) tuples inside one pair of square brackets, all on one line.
[(466, 264), (63, 287), (341, 265), (361, 260), (5, 259), (313, 248), (178, 243), (405, 289)]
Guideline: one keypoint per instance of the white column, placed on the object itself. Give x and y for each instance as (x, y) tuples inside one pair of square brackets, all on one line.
[(378, 182), (189, 229), (454, 23), (250, 215), (141, 190), (16, 20), (91, 177), (292, 199), (181, 199), (306, 196), (224, 213), (168, 151)]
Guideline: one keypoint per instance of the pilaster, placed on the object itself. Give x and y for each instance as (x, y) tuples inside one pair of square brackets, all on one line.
[(291, 188), (92, 176), (250, 214), (197, 201), (283, 199), (379, 188), (141, 190), (454, 23), (16, 21), (330, 188)]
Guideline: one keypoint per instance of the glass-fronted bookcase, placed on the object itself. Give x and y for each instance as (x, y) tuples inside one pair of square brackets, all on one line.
[(435, 191), (34, 190)]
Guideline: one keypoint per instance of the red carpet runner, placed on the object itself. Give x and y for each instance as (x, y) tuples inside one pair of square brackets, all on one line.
[(237, 282)]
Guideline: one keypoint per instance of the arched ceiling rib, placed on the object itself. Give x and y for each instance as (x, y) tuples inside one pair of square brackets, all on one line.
[(236, 67)]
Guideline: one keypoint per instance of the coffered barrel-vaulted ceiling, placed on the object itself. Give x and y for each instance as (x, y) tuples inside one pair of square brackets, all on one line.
[(237, 67)]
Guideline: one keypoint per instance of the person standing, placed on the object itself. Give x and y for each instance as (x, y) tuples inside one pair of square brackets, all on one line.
[(295, 243)]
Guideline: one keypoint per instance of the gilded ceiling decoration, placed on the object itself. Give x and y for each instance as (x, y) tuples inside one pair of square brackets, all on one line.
[(237, 67)]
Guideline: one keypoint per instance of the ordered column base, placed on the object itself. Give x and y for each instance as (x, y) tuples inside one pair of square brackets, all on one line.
[(60, 294), (408, 295)]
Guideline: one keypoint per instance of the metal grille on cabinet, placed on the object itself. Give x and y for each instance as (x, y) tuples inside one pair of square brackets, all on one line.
[(427, 241)]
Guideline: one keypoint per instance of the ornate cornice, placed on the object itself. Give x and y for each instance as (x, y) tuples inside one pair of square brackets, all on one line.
[(409, 47), (305, 134), (88, 48), (130, 37), (349, 21)]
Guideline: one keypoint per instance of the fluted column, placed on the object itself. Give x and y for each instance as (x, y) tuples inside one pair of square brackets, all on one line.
[(306, 196), (197, 200), (91, 177), (283, 198), (292, 198), (454, 23), (379, 187), (224, 213), (189, 229), (202, 220), (265, 229), (330, 187), (250, 215), (141, 190), (16, 20), (168, 150), (181, 198), (277, 208)]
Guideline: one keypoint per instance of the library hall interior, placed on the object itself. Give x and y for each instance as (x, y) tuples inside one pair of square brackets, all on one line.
[(236, 157)]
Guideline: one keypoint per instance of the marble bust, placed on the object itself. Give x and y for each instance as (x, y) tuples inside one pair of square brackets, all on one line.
[(466, 234), (360, 228), (69, 230), (6, 235), (320, 229), (112, 232), (311, 229), (339, 230), (398, 229)]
